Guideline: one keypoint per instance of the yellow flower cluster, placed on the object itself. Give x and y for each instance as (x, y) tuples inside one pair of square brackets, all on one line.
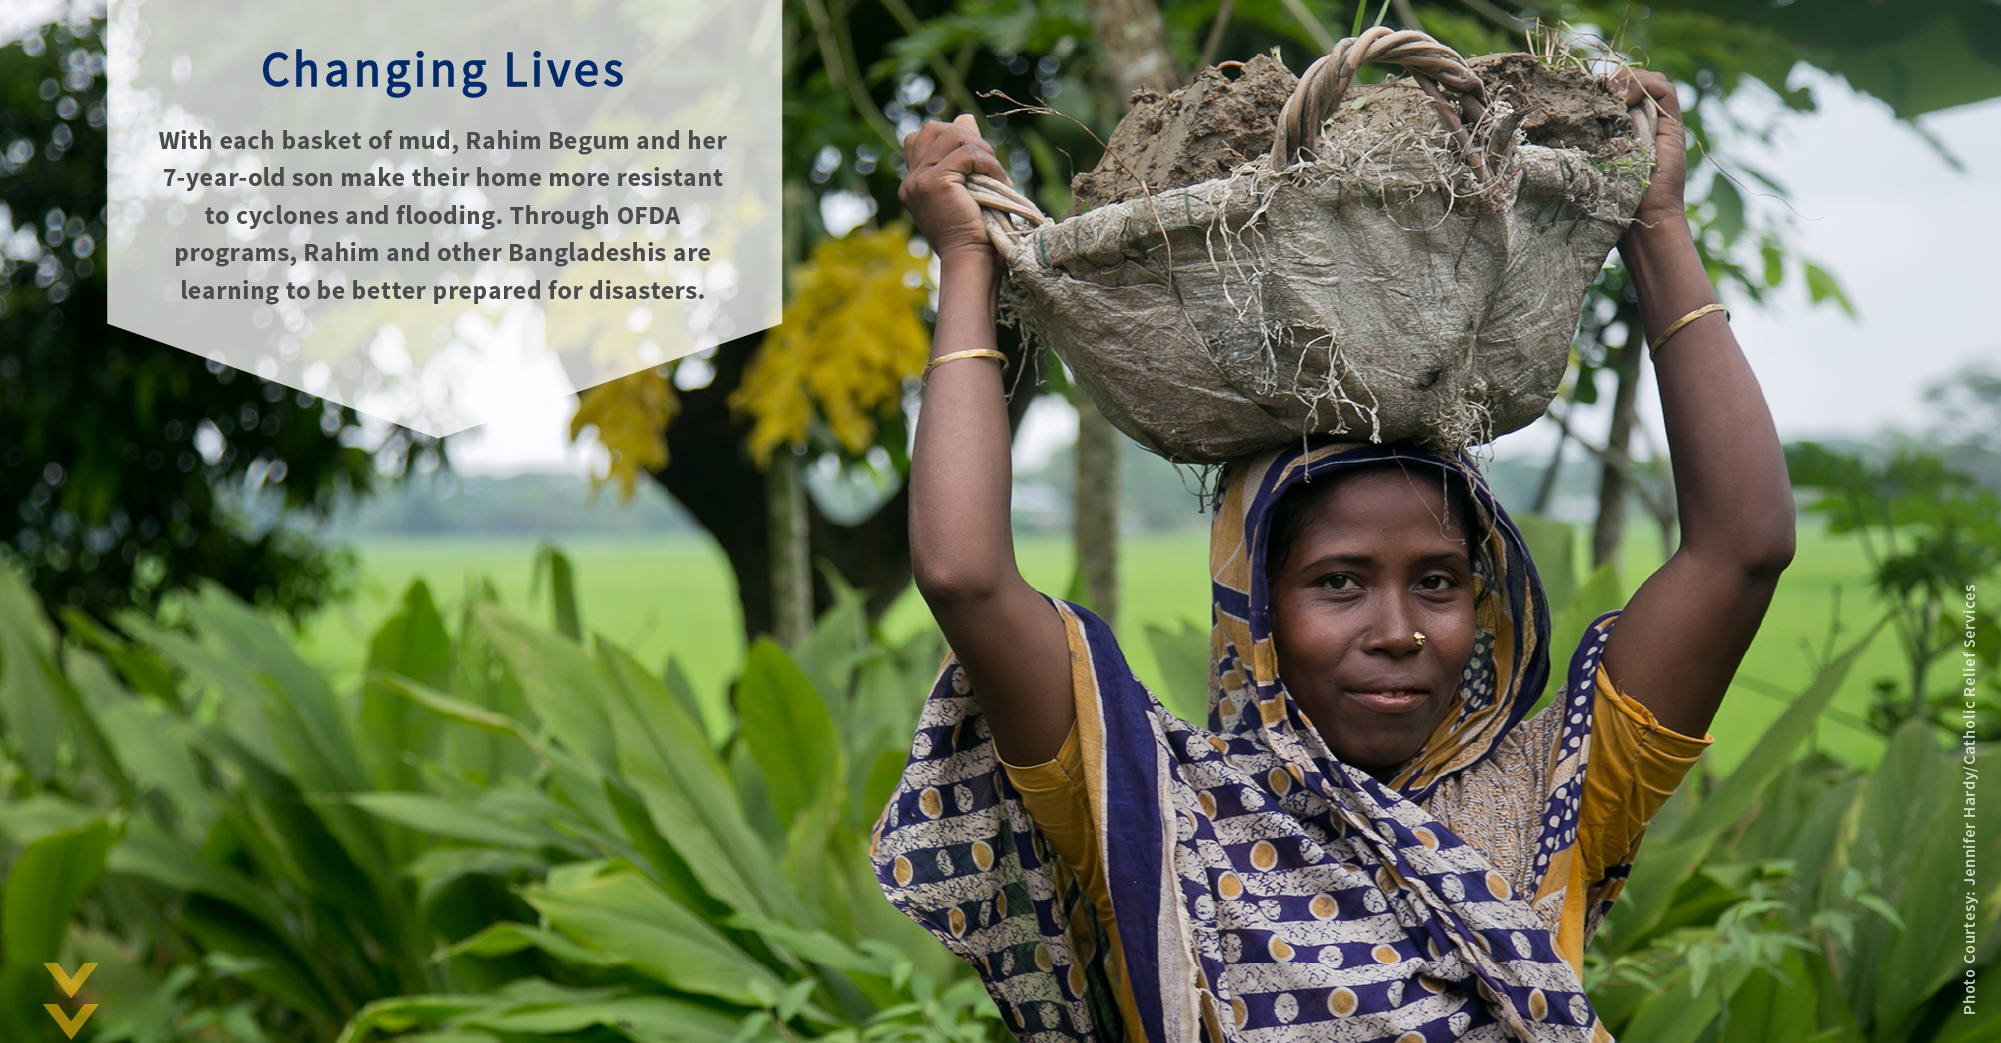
[(631, 416), (851, 337)]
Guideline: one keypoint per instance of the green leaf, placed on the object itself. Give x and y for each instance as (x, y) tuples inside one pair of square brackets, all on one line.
[(813, 946), (147, 851), (669, 867), (631, 922), (1816, 844), (1881, 908), (438, 868), (644, 1018), (682, 689), (838, 642), (42, 890), (560, 682), (457, 711), (1656, 877), (1821, 285), (31, 709), (665, 758), (788, 729), (1552, 548), (1907, 842), (1183, 659), (1731, 799), (407, 1012), (1770, 1007), (1775, 262), (247, 922), (446, 818), (414, 644), (555, 565), (506, 939), (1672, 1017), (305, 720), (1729, 204), (1601, 593), (795, 997), (154, 745), (30, 819), (141, 669)]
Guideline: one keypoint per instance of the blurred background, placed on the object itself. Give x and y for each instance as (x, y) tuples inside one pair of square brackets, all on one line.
[(161, 516)]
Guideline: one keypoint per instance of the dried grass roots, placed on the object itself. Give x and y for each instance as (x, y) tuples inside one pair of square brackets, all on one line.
[(1405, 279)]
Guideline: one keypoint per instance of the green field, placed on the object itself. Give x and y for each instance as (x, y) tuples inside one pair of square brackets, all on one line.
[(674, 595)]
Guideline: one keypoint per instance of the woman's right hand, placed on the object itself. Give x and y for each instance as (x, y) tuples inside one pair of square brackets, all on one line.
[(938, 157)]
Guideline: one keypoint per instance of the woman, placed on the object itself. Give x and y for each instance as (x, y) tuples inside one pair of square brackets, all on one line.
[(1370, 840)]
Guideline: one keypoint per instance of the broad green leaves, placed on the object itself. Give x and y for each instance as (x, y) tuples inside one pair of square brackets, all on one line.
[(501, 810), (42, 890), (789, 731)]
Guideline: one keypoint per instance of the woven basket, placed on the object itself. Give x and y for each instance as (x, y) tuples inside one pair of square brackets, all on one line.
[(1411, 270)]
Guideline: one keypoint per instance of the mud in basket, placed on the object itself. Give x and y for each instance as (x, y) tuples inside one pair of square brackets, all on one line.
[(1402, 264)]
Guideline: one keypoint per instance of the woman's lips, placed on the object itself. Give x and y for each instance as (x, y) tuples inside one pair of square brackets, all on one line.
[(1390, 700)]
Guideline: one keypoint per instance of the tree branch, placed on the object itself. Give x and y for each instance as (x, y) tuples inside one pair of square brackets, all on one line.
[(1326, 40), (948, 76), (1215, 35), (1494, 13), (837, 54)]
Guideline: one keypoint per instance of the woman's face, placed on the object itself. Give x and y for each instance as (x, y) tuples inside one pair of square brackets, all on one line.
[(1380, 559)]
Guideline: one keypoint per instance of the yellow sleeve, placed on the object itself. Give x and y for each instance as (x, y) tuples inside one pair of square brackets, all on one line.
[(1636, 764), (1058, 800)]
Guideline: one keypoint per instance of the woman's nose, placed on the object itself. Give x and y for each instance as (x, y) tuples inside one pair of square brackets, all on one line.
[(1395, 631)]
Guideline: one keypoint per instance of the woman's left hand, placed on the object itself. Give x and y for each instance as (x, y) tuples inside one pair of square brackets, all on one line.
[(1663, 200)]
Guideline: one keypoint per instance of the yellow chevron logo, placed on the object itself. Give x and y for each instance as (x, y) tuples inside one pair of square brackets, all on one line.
[(69, 1024), (68, 984)]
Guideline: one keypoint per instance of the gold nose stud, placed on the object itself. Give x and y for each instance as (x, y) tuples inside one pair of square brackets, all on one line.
[(1419, 635)]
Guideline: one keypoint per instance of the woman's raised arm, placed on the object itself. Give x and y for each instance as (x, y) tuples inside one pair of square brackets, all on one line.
[(1008, 638), (1680, 640)]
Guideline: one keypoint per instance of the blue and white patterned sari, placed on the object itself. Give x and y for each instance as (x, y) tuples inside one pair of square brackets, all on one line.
[(1261, 890)]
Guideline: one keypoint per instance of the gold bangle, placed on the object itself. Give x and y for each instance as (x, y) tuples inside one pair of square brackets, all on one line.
[(1655, 347), (954, 356)]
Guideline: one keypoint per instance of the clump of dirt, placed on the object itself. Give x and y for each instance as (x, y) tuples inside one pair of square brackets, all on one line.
[(1198, 133), (1219, 122), (1560, 107)]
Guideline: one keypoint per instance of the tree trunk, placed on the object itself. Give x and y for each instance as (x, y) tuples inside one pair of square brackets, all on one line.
[(1546, 488), (1097, 504), (1134, 40), (791, 551), (1613, 478)]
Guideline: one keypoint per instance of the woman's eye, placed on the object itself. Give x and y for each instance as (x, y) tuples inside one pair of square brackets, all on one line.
[(1435, 583), (1340, 581)]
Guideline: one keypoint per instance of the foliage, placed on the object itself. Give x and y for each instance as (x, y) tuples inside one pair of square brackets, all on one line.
[(1930, 535), (1966, 429), (506, 834), (128, 468), (1799, 898), (851, 338), (629, 416)]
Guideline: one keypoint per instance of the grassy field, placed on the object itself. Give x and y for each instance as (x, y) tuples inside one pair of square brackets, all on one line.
[(674, 595)]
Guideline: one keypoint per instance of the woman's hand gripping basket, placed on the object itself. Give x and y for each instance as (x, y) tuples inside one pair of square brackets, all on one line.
[(1405, 263)]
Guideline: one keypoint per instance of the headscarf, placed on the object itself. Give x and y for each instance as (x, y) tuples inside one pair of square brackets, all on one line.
[(1258, 884)]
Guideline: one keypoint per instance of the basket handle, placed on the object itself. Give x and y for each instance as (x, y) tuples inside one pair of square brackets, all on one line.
[(1438, 69)]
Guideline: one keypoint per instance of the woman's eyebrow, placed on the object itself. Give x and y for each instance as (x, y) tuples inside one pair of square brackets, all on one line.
[(1456, 557)]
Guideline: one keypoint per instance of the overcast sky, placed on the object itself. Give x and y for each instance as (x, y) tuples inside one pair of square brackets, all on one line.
[(1911, 239)]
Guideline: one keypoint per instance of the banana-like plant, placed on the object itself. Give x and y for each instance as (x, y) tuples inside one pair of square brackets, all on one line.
[(506, 834)]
